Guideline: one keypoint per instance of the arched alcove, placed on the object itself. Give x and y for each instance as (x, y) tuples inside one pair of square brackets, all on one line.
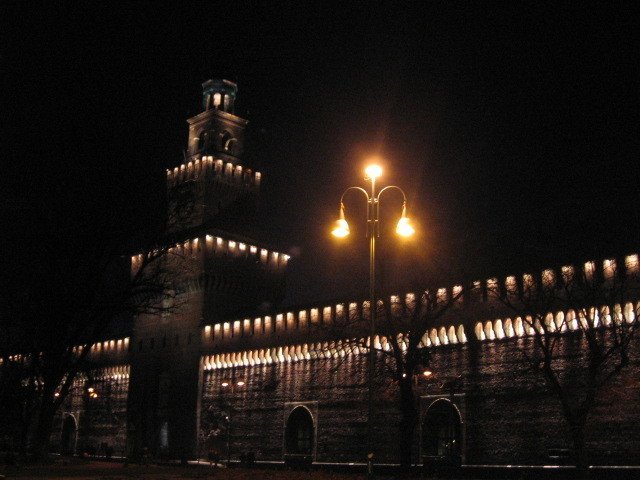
[(442, 433), (299, 432), (226, 141), (69, 436)]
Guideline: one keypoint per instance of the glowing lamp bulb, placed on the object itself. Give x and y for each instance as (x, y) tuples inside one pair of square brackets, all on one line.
[(404, 228), (427, 373), (373, 171), (240, 383), (90, 389), (225, 384), (341, 227)]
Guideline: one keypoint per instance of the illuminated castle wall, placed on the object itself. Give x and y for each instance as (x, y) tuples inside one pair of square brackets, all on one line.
[(218, 367), (506, 416)]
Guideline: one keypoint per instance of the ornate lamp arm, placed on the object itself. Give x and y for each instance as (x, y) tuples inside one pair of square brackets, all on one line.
[(389, 187)]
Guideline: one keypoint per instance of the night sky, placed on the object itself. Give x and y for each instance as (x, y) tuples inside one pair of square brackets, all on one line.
[(513, 128)]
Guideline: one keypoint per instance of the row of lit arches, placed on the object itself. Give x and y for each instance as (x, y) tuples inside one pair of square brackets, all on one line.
[(559, 322), (326, 349), (484, 331)]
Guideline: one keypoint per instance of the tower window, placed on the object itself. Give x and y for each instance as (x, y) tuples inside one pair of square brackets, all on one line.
[(229, 145), (227, 142)]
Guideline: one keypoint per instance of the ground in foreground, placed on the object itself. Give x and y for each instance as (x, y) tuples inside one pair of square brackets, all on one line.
[(80, 470)]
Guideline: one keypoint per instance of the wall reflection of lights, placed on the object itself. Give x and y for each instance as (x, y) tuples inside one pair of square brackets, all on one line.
[(91, 392), (227, 415), (239, 383)]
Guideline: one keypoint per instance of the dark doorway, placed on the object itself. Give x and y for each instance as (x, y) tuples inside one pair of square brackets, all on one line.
[(68, 437), (441, 434), (299, 433)]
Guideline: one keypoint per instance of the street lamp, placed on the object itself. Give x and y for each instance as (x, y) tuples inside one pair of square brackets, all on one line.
[(404, 228)]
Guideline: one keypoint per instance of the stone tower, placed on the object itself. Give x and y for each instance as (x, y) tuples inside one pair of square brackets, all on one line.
[(219, 274)]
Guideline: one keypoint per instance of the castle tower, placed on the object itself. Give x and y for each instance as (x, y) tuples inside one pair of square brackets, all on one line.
[(217, 130), (212, 185), (218, 273)]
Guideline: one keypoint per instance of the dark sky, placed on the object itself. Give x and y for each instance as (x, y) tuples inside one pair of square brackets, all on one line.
[(514, 128)]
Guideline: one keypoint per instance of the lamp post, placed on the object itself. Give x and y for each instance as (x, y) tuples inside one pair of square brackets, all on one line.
[(340, 230)]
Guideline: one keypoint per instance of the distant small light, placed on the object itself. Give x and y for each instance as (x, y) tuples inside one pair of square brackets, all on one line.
[(225, 384), (240, 383)]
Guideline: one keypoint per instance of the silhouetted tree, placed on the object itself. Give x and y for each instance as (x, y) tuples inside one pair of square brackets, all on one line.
[(68, 285), (583, 322), (402, 351)]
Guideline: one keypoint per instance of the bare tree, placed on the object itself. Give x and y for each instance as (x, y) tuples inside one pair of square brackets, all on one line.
[(401, 347), (583, 322), (61, 294)]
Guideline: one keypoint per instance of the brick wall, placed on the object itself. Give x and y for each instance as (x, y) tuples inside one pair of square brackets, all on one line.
[(509, 416)]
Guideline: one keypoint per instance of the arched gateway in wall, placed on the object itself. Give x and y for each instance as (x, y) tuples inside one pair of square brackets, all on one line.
[(442, 434), (68, 436), (299, 436)]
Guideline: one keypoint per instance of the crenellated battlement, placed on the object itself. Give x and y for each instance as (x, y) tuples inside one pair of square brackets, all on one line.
[(209, 168), (109, 349), (209, 247), (104, 351), (473, 309)]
